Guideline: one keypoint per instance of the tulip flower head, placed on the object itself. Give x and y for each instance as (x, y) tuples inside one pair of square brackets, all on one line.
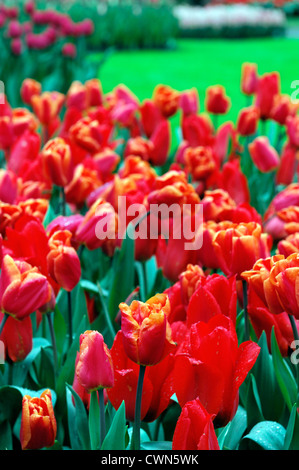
[(146, 331), (23, 289), (94, 367), (38, 423)]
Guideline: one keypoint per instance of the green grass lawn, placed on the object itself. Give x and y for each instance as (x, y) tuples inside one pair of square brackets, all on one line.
[(201, 63)]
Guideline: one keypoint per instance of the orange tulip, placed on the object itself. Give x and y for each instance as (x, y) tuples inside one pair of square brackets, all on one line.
[(258, 280), (166, 99), (47, 106), (199, 162), (283, 280), (146, 330), (241, 246), (57, 161), (173, 188), (38, 423)]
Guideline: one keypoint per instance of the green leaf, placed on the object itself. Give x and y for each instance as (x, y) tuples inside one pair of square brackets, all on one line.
[(10, 403), (231, 435), (116, 436), (6, 442), (156, 445), (75, 441), (81, 420), (123, 270), (94, 421), (285, 378), (21, 368), (272, 401), (60, 331), (267, 435), (253, 404), (292, 433)]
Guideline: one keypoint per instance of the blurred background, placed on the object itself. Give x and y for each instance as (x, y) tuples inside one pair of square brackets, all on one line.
[(195, 43)]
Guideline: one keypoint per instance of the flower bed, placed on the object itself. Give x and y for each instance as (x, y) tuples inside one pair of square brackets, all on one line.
[(116, 336), (237, 20)]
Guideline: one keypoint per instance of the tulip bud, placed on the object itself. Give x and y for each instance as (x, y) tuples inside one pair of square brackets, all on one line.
[(248, 121), (63, 261), (94, 368), (38, 422), (57, 161), (264, 156), (166, 99), (249, 79), (30, 88), (216, 100)]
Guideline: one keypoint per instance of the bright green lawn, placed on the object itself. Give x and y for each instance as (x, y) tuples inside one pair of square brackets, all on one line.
[(200, 63)]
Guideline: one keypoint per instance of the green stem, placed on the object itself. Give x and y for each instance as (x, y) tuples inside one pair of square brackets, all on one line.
[(215, 121), (3, 322), (245, 303), (70, 317), (102, 416), (137, 421), (63, 202), (106, 313), (53, 339)]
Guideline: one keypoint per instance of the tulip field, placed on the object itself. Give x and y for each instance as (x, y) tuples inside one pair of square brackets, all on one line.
[(149, 252)]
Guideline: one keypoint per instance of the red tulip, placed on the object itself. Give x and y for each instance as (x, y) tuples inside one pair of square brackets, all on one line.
[(157, 386), (30, 88), (262, 320), (292, 128), (189, 101), (213, 366), (282, 108), (249, 79), (264, 156), (194, 429), (232, 179), (287, 167), (99, 227), (268, 88), (23, 289), (197, 130), (63, 262), (94, 368), (215, 295), (216, 100), (248, 120), (17, 337)]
